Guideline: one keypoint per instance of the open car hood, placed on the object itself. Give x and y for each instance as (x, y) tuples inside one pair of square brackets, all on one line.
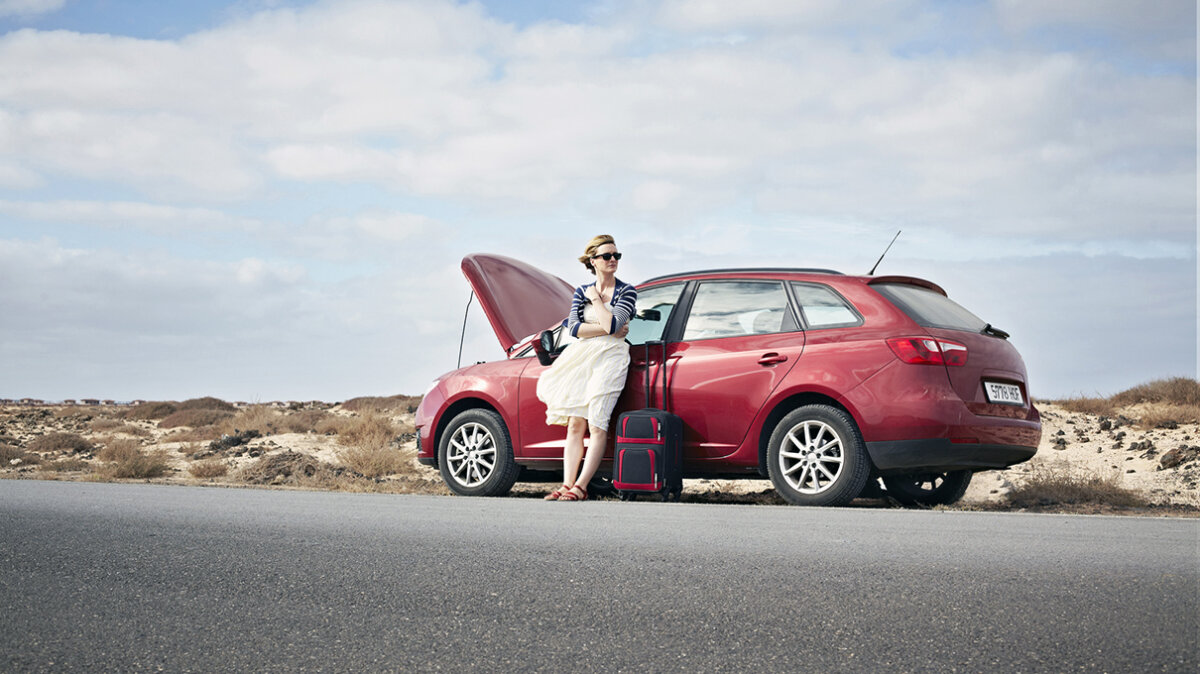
[(519, 299)]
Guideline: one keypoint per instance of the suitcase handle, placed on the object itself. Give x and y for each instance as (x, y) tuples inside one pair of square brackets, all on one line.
[(663, 344)]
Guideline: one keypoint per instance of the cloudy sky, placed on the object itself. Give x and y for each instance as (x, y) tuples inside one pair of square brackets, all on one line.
[(265, 200)]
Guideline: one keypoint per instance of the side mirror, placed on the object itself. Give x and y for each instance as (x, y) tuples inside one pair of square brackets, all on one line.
[(544, 348), (650, 315)]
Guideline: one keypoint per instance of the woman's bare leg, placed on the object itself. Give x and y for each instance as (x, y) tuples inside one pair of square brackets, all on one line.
[(573, 451), (595, 454)]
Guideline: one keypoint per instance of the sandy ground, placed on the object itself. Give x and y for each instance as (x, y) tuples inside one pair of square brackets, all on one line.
[(1070, 441), (1106, 447)]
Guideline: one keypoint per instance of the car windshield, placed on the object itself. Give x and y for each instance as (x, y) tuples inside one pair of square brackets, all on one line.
[(930, 309)]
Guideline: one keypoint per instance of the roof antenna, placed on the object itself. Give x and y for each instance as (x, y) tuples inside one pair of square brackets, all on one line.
[(463, 337), (885, 252)]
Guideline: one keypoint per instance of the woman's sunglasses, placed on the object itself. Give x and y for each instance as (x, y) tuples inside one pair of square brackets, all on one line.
[(608, 256)]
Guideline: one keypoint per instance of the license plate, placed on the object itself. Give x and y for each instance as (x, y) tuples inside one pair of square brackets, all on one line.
[(1005, 394)]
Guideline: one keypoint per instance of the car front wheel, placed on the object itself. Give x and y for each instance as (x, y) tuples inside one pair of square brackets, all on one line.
[(817, 457), (928, 489), (475, 455)]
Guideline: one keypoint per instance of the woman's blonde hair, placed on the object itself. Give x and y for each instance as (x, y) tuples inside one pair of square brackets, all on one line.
[(592, 246)]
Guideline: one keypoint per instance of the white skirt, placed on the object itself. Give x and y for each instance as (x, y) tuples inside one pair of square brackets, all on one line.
[(585, 381)]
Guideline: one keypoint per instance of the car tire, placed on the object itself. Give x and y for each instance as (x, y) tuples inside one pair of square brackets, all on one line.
[(817, 457), (928, 489), (475, 455)]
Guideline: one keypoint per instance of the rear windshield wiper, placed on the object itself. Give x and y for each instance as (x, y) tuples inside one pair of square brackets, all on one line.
[(995, 332)]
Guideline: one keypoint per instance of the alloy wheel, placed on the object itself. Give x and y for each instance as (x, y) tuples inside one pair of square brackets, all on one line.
[(471, 454), (811, 457)]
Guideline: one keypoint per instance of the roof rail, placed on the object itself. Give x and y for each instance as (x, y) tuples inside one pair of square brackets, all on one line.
[(748, 270)]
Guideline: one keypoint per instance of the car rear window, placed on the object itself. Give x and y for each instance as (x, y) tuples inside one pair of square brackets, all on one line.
[(930, 309), (823, 308)]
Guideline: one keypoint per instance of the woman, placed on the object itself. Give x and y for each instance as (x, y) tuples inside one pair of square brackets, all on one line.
[(582, 387)]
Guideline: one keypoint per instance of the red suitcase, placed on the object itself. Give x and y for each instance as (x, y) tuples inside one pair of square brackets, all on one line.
[(648, 453)]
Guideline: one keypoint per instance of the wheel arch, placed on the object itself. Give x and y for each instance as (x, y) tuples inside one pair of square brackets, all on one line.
[(456, 408), (795, 401)]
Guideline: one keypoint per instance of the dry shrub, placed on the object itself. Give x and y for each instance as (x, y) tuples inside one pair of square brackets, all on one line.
[(332, 424), (259, 418), (377, 461), (119, 450), (1103, 407), (366, 431), (202, 434), (207, 403), (1176, 391), (1060, 484), (9, 454), (195, 418), (118, 426), (139, 464), (151, 411), (64, 465), (305, 421), (208, 469), (287, 466), (1169, 416), (61, 442), (397, 403), (292, 468), (1163, 403), (369, 451)]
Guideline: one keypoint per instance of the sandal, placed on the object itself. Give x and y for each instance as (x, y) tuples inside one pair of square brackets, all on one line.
[(557, 494), (571, 496)]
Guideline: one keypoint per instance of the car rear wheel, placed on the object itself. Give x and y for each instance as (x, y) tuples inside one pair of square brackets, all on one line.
[(817, 457), (928, 489), (475, 456)]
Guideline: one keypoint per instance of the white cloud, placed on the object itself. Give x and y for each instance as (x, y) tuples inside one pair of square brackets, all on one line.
[(27, 8), (160, 153), (1166, 28), (142, 323), (556, 40), (772, 14), (296, 169), (655, 195), (438, 99), (158, 217), (16, 177)]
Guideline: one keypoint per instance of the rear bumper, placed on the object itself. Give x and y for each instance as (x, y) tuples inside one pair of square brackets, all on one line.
[(940, 455)]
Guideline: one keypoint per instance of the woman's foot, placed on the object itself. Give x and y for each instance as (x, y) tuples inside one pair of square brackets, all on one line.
[(557, 494), (576, 493)]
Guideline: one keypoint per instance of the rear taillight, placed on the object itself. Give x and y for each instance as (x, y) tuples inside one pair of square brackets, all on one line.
[(929, 351)]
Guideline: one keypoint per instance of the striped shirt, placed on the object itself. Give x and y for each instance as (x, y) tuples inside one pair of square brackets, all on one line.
[(624, 303)]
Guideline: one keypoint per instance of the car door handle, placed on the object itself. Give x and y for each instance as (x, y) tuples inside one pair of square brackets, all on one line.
[(772, 359)]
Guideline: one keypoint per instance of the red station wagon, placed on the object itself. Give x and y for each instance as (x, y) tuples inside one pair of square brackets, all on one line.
[(826, 383)]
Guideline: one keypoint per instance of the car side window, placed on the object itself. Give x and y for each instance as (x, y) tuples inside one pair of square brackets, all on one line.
[(737, 309), (654, 308), (823, 308)]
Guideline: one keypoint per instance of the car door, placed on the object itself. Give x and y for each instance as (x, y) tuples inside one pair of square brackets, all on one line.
[(739, 340), (655, 312)]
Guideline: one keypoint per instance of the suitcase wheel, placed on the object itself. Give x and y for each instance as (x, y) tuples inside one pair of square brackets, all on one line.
[(626, 496)]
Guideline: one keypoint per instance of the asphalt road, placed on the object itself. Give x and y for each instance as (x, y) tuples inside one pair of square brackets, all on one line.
[(115, 577)]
